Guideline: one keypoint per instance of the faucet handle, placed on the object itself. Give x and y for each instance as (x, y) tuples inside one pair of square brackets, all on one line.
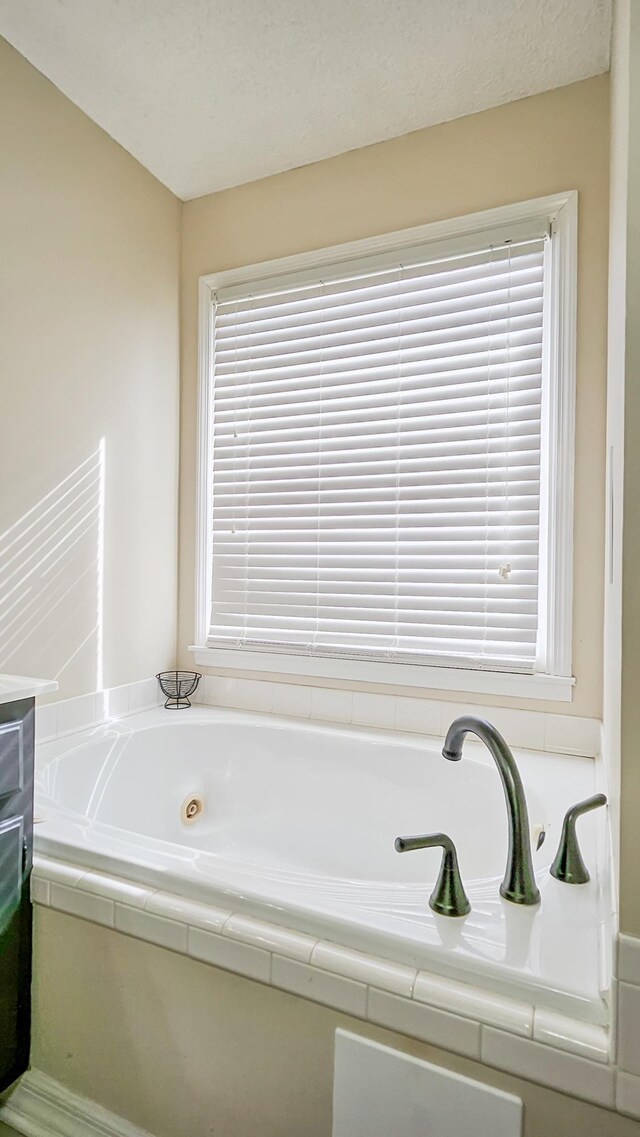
[(448, 897), (568, 864)]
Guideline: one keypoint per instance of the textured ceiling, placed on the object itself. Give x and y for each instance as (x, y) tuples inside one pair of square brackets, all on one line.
[(212, 93)]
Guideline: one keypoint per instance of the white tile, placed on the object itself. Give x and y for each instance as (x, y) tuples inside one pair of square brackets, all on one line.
[(152, 692), (612, 1000), (84, 904), (293, 945), (519, 728), (225, 692), (154, 929), (374, 710), (319, 986), (292, 699), (571, 1035), (629, 1028), (549, 1066), (331, 706), (570, 734), (422, 716), (101, 884), (419, 1021), (217, 690), (198, 696), (144, 694), (113, 703), (203, 690), (187, 911), (40, 865), (76, 714), (472, 1002), (628, 968), (253, 695), (46, 721), (39, 890), (451, 711), (57, 871), (100, 706), (628, 1094), (365, 968), (229, 954)]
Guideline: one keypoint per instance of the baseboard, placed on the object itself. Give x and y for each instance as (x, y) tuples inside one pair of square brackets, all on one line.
[(41, 1107)]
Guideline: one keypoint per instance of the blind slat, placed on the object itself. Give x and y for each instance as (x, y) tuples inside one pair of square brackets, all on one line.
[(376, 443)]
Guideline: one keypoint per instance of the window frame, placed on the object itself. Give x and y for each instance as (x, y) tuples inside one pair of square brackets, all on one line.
[(559, 212)]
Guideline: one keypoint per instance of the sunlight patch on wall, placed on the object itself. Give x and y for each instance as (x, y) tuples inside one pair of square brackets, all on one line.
[(52, 582)]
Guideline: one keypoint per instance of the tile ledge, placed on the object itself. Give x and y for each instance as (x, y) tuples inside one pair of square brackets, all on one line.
[(55, 871)]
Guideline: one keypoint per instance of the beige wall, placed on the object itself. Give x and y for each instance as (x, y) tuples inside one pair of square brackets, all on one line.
[(612, 652), (185, 1050), (89, 274), (622, 642), (551, 142)]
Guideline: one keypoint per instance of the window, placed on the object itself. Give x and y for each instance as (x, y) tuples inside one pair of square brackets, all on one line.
[(386, 457)]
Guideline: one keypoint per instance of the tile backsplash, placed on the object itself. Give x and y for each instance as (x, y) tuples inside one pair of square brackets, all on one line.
[(69, 715), (533, 730)]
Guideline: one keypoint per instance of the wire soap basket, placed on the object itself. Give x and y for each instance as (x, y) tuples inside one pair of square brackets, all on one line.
[(177, 686)]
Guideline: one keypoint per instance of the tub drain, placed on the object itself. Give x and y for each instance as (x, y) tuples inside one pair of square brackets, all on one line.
[(192, 808)]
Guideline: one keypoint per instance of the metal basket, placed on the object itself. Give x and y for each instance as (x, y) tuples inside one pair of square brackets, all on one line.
[(177, 686)]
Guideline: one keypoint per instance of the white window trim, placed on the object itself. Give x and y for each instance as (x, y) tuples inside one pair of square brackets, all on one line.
[(560, 211)]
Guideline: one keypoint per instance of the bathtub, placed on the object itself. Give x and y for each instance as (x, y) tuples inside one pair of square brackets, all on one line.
[(297, 827)]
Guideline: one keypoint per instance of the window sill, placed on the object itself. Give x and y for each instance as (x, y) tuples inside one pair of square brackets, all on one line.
[(551, 688)]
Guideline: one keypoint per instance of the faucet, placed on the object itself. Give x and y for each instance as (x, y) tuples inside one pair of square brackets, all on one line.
[(568, 864), (519, 884), (448, 897)]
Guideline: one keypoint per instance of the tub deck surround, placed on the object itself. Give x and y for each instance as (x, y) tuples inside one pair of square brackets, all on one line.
[(410, 1000), (298, 832), (14, 687)]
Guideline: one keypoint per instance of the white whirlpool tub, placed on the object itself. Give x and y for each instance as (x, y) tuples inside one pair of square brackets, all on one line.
[(298, 828)]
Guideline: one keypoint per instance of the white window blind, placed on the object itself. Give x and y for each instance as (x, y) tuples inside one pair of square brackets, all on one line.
[(376, 454)]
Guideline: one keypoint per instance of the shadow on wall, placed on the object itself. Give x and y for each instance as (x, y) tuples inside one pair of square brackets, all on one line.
[(52, 583)]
